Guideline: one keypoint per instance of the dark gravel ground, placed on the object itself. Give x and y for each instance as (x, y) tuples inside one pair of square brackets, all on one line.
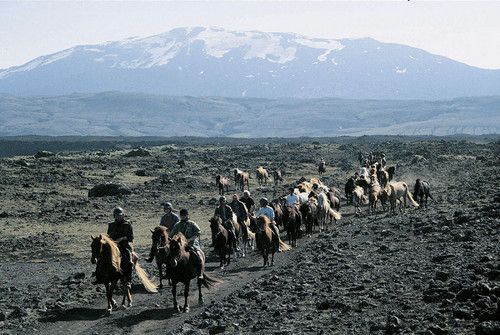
[(429, 271)]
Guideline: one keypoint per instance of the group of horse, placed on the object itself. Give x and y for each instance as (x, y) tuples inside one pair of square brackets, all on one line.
[(319, 206), (374, 184), (181, 266), (242, 179)]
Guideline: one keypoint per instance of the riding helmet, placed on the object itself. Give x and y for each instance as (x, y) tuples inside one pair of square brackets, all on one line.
[(118, 211)]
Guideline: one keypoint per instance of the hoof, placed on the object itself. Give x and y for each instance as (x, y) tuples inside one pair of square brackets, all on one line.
[(177, 309), (186, 309), (108, 312), (201, 301)]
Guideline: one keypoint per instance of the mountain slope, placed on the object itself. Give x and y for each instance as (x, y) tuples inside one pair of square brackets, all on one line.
[(117, 114), (216, 62)]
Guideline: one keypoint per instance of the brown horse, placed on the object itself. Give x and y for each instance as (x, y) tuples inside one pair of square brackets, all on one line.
[(159, 249), (292, 218), (266, 243), (222, 183), (309, 212), (106, 254), (262, 175), (221, 240), (278, 212), (241, 178), (184, 266)]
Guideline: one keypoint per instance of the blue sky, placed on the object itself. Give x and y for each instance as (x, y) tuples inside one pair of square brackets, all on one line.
[(467, 31)]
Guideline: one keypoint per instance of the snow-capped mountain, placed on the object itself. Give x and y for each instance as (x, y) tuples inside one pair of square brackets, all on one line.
[(216, 62)]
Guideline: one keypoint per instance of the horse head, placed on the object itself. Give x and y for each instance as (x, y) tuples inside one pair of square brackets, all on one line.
[(96, 247), (159, 240), (177, 247)]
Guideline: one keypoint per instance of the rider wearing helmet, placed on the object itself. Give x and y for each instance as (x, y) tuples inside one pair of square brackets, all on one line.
[(226, 214), (169, 219), (267, 210), (121, 231), (192, 233)]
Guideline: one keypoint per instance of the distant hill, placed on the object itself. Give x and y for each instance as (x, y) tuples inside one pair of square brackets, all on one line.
[(126, 114), (202, 61)]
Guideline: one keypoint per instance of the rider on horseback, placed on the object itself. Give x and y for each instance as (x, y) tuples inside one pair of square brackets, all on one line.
[(239, 209), (169, 219), (226, 214), (266, 210), (192, 233), (293, 201), (122, 233)]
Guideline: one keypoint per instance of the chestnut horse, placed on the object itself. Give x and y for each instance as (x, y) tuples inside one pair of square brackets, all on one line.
[(241, 178), (184, 266), (106, 254), (266, 242)]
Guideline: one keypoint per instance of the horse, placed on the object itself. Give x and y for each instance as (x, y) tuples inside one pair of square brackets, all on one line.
[(364, 173), (222, 183), (309, 212), (106, 254), (277, 176), (237, 172), (334, 200), (278, 212), (247, 235), (349, 188), (159, 249), (421, 192), (374, 195), (266, 242), (221, 240), (262, 175), (292, 218), (242, 179), (391, 171), (359, 198), (400, 190), (184, 266), (323, 210), (321, 167)]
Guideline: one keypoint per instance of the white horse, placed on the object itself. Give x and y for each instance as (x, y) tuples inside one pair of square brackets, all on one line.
[(400, 191)]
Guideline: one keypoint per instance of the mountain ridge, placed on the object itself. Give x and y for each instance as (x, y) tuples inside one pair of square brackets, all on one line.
[(212, 61)]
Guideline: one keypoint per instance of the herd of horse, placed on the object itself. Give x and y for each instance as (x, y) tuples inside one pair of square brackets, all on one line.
[(319, 206)]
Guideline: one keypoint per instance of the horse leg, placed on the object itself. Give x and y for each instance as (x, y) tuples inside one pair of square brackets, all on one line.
[(272, 255), (222, 257), (109, 297), (186, 295), (161, 273), (174, 294), (200, 295)]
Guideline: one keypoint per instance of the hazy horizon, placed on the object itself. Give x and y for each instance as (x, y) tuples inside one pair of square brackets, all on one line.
[(463, 31)]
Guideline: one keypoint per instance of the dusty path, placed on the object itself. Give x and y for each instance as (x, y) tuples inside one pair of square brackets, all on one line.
[(153, 312)]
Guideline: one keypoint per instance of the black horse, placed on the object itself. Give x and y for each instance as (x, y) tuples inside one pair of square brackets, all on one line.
[(349, 188), (422, 192)]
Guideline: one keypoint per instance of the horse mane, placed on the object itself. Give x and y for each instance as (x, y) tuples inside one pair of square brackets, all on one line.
[(179, 237), (114, 251)]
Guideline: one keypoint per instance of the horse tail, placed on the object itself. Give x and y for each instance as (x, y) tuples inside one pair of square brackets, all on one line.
[(335, 215), (143, 276), (284, 246), (209, 282), (410, 197)]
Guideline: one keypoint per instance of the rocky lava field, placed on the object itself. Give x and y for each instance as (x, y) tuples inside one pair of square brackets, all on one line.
[(428, 271)]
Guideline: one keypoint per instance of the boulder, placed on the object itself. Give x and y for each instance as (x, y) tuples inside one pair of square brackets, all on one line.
[(43, 154), (140, 152), (108, 189)]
